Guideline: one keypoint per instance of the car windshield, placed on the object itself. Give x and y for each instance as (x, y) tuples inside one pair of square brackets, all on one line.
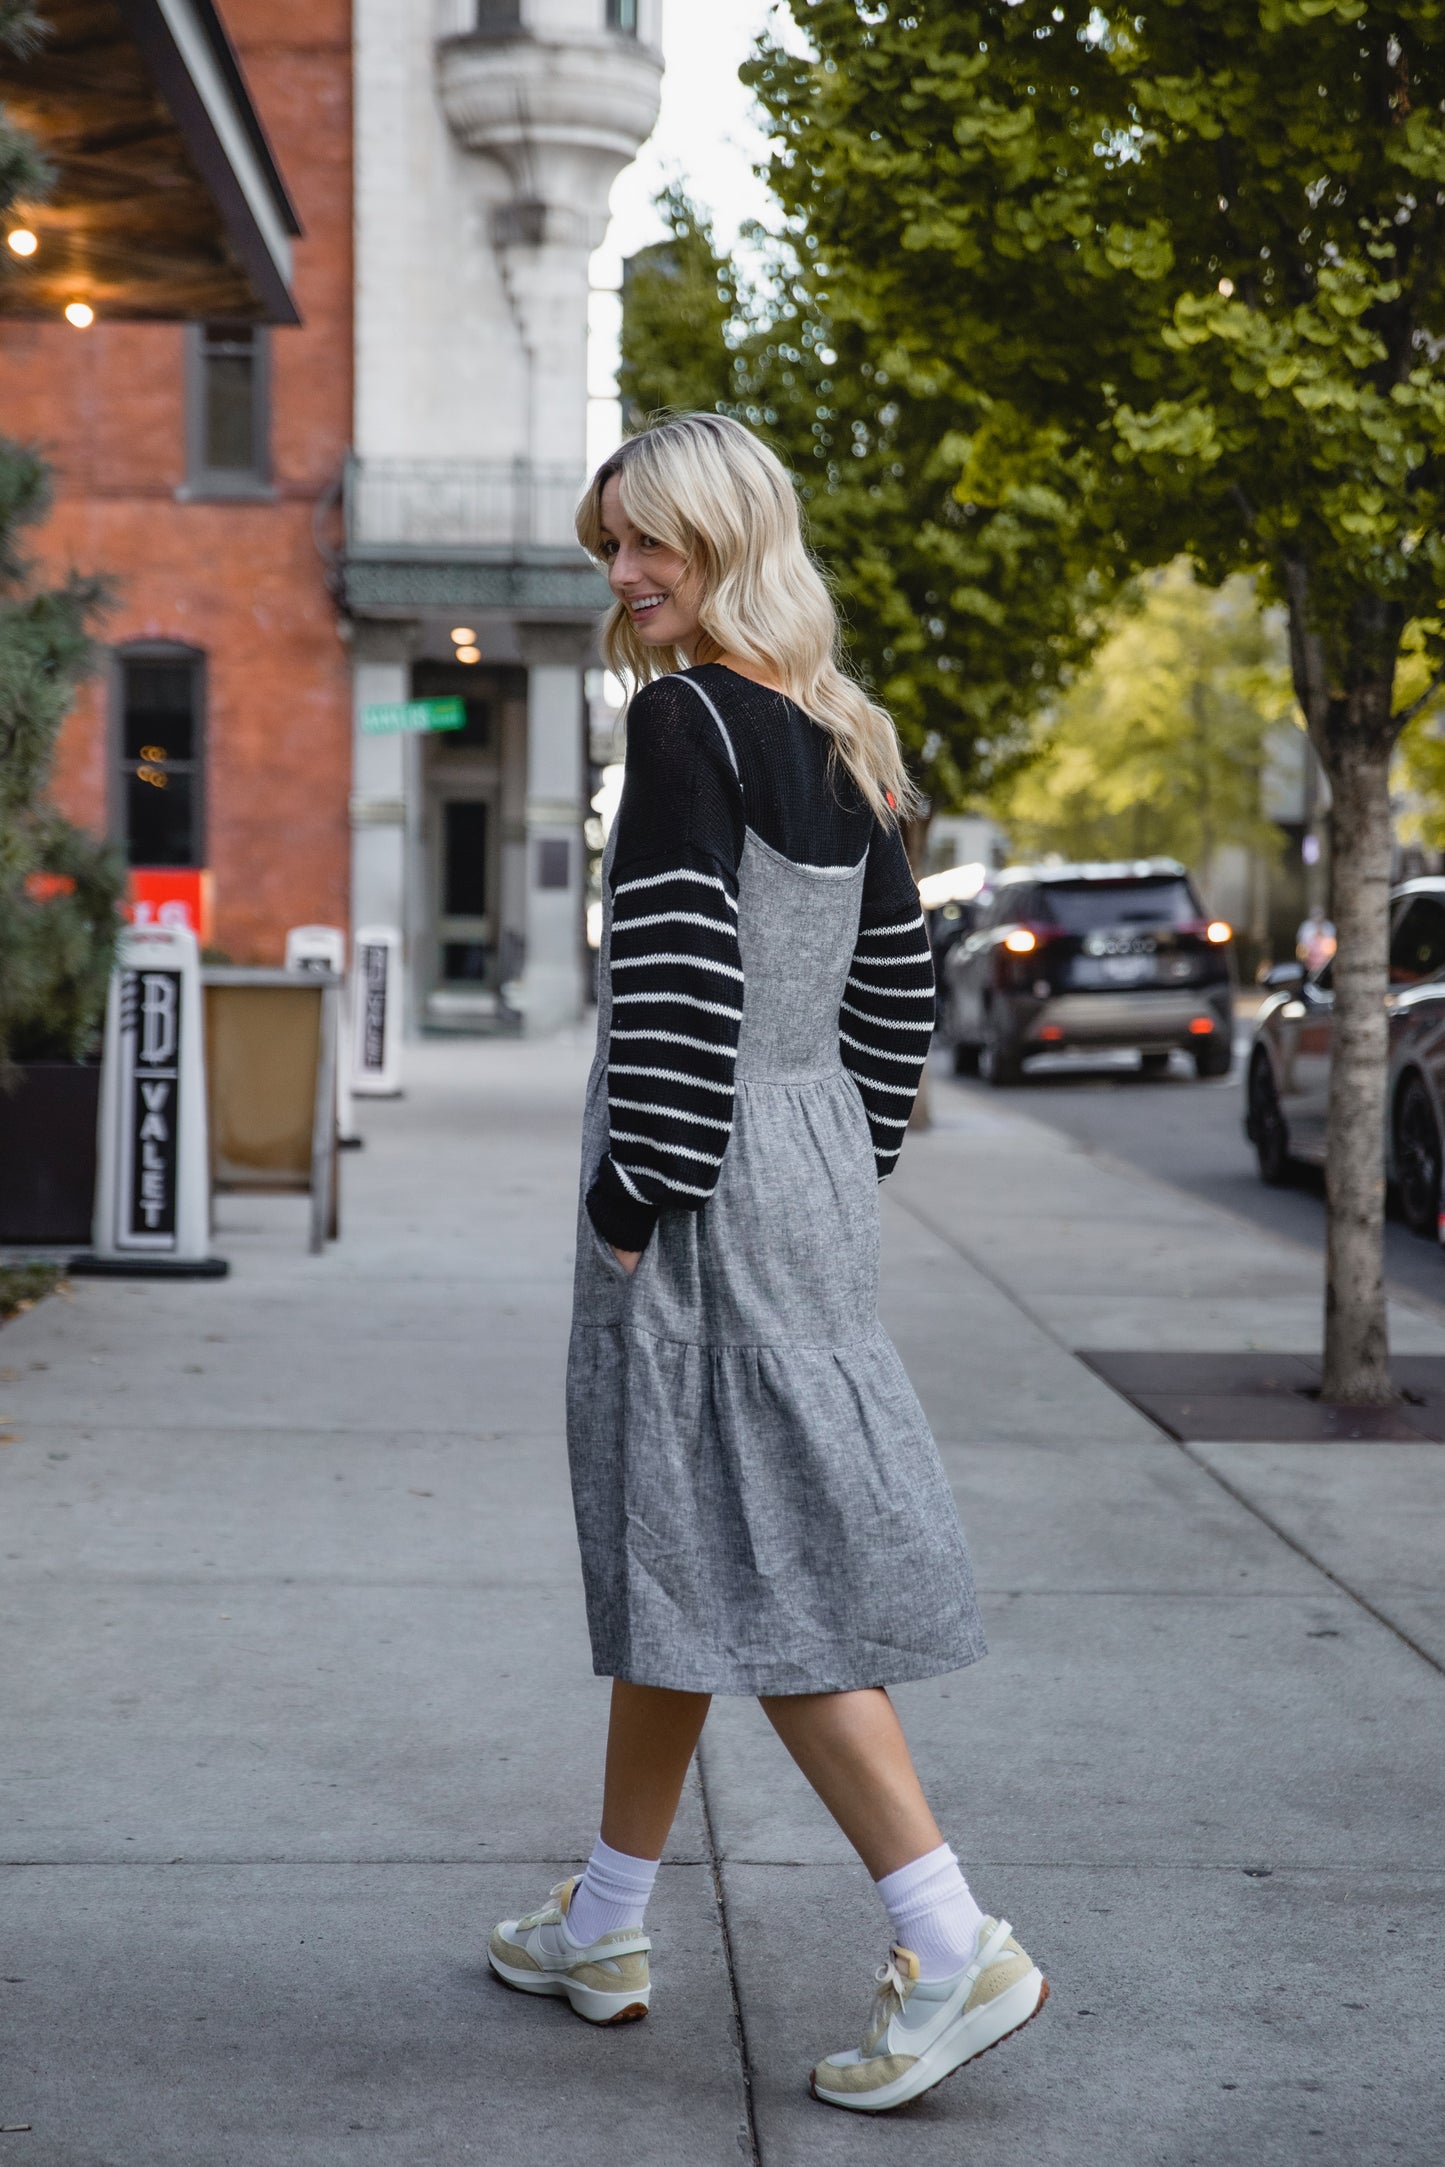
[(1080, 906)]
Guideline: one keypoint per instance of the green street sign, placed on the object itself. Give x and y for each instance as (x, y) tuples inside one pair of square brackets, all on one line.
[(385, 717)]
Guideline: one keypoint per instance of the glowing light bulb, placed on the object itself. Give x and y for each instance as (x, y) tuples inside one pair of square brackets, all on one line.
[(469, 654), (22, 240), (79, 313), (1226, 287), (463, 636)]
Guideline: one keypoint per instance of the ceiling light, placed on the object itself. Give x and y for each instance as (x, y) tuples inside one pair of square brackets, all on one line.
[(79, 313), (463, 636), (469, 654), (22, 240)]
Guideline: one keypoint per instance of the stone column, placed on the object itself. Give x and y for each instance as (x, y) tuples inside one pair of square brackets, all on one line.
[(551, 990), (381, 672)]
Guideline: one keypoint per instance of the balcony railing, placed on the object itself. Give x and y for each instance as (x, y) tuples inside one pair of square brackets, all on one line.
[(460, 505)]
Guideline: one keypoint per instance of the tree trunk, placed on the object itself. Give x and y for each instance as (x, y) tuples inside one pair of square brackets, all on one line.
[(1356, 756)]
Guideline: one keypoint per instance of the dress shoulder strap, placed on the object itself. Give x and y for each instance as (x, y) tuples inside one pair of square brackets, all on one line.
[(711, 707)]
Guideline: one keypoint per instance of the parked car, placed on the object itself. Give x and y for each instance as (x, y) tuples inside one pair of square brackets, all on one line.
[(1086, 957), (1288, 1074)]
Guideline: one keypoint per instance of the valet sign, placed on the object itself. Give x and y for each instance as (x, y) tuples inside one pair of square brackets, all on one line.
[(152, 1190), (148, 1051)]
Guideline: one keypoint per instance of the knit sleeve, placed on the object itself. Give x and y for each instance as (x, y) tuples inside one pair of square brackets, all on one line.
[(675, 968), (886, 1021)]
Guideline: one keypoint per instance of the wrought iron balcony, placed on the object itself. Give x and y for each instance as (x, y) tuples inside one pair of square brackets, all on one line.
[(465, 533), (459, 504)]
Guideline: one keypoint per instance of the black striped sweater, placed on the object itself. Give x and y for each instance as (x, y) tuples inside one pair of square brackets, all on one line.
[(676, 970)]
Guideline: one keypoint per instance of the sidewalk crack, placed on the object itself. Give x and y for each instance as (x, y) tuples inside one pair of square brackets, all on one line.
[(748, 2141)]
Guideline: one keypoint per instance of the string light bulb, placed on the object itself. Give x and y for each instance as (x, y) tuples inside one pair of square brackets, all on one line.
[(22, 240), (79, 313)]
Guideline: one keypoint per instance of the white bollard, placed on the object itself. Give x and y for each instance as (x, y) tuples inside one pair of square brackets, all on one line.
[(153, 1179), (323, 948), (376, 1012)]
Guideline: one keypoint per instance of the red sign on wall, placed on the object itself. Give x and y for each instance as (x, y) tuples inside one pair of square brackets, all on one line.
[(170, 895)]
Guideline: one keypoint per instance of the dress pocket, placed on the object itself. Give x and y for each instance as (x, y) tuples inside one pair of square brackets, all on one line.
[(608, 1258)]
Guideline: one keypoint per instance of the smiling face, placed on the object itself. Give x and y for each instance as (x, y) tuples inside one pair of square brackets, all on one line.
[(650, 580)]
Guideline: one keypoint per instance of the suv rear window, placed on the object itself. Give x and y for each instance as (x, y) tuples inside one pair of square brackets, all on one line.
[(1081, 906)]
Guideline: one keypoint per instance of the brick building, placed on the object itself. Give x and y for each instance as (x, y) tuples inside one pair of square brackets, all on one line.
[(321, 529), (198, 463)]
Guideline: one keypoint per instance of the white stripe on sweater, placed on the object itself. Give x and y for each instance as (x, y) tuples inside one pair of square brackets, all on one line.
[(671, 1113), (654, 880), (876, 1053), (871, 1083), (886, 932), (679, 1151), (673, 917), (894, 993), (696, 963), (884, 1023), (681, 1000), (652, 1173), (630, 1186)]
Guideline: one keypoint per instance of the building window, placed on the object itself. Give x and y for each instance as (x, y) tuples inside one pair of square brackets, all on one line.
[(159, 741), (496, 17), (228, 450), (622, 15)]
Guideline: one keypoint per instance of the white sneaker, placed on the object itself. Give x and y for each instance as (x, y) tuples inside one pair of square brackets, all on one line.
[(607, 1981), (920, 2031)]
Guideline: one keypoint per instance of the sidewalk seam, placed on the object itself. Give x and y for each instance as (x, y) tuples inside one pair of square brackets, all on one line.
[(749, 2131), (1001, 1286)]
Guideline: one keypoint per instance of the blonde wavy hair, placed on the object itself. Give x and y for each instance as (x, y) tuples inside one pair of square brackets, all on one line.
[(706, 487)]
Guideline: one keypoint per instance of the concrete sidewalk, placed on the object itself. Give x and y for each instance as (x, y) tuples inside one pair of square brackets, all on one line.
[(298, 1700)]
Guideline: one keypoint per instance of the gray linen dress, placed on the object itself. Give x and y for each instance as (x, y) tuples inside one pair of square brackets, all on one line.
[(760, 1504)]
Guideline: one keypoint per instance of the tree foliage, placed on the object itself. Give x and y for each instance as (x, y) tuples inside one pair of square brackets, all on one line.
[(1187, 250), (59, 887), (962, 611), (1159, 747), (1180, 261)]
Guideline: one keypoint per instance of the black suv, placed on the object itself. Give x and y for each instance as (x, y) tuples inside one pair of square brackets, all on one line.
[(1090, 956)]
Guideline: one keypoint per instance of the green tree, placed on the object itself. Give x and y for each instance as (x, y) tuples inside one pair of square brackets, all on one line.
[(58, 886), (962, 609), (1159, 746), (1191, 249)]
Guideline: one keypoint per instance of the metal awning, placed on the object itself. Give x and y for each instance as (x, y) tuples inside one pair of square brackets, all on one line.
[(167, 203)]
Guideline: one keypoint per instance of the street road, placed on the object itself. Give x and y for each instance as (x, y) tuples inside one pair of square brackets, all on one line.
[(1191, 1134)]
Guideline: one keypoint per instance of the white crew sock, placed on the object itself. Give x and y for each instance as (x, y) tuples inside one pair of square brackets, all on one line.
[(611, 1896), (932, 1913)]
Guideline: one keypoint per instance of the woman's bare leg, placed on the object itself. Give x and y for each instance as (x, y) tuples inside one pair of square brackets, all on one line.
[(851, 1748), (651, 1739)]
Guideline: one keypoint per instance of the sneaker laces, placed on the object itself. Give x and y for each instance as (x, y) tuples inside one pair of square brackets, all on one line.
[(890, 1995), (545, 1911)]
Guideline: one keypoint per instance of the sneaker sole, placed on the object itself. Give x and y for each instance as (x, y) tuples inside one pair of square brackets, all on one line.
[(934, 2069), (585, 2001)]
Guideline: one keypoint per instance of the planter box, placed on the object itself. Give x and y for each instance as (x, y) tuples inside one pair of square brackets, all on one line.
[(47, 1153)]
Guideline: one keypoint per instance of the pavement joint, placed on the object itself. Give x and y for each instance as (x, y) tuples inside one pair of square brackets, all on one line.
[(1020, 1301), (749, 2139)]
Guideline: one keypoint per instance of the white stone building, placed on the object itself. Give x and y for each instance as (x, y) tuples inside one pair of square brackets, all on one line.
[(488, 136)]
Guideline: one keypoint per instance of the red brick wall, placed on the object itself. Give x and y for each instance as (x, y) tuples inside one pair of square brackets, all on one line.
[(244, 582)]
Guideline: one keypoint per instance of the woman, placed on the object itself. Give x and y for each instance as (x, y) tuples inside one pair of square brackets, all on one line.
[(760, 1505)]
